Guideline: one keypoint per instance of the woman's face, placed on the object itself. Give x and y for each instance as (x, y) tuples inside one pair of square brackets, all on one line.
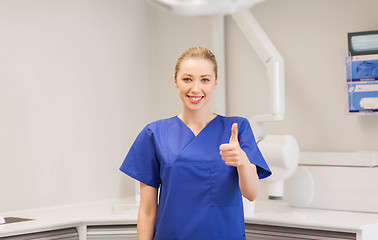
[(196, 81)]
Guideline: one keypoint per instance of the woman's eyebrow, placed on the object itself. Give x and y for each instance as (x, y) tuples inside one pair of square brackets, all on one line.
[(190, 75)]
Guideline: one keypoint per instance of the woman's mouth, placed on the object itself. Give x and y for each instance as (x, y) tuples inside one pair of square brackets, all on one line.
[(195, 99)]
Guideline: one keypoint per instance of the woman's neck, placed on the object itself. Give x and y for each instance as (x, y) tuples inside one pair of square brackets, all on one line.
[(196, 121)]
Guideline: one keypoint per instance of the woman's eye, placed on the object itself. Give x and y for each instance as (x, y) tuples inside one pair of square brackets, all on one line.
[(187, 79), (205, 80)]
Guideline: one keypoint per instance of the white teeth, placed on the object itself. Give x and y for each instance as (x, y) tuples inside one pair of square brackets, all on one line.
[(196, 98)]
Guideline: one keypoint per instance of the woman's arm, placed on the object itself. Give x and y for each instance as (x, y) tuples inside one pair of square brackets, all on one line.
[(233, 155), (248, 179), (147, 212)]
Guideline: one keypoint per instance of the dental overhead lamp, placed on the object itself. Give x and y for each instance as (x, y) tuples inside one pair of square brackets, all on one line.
[(203, 7), (280, 151)]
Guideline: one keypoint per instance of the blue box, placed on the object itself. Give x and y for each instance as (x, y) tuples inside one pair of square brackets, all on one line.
[(362, 81)]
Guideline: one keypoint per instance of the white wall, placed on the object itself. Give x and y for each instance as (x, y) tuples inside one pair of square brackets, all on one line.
[(312, 38), (74, 92)]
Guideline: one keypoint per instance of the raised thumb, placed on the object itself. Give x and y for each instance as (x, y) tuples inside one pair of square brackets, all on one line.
[(234, 133)]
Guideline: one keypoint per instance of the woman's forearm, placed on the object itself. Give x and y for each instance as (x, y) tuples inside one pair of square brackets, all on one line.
[(248, 179), (145, 227), (147, 212)]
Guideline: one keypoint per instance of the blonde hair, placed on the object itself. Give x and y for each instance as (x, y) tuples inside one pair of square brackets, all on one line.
[(197, 52)]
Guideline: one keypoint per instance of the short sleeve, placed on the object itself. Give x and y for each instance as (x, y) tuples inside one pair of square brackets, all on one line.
[(248, 144), (141, 162)]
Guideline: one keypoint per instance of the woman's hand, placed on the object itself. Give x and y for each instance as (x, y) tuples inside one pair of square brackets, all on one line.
[(233, 155), (231, 152)]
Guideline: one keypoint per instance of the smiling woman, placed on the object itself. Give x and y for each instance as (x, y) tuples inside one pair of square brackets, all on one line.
[(196, 82), (196, 78), (202, 162)]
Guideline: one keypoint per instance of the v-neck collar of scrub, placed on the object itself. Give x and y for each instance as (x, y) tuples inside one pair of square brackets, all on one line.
[(188, 128)]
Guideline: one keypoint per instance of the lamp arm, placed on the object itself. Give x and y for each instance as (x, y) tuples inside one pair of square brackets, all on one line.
[(273, 62)]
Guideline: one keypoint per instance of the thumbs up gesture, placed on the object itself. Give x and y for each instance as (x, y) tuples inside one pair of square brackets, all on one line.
[(231, 152)]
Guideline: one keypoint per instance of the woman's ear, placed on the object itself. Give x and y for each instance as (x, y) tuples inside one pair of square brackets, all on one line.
[(175, 82)]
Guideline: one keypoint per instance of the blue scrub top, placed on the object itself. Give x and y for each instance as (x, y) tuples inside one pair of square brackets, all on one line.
[(199, 194)]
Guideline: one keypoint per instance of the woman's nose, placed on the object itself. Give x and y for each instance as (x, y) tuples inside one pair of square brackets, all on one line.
[(195, 86)]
